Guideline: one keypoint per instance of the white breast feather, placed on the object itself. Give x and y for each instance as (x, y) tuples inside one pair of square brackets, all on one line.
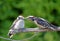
[(19, 24)]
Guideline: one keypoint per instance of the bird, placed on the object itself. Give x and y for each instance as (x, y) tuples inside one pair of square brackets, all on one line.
[(16, 25), (41, 23)]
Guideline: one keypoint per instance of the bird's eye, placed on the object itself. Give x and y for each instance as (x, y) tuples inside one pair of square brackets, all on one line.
[(32, 18)]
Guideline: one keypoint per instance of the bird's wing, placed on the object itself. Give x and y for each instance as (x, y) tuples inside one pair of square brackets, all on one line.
[(13, 24), (53, 26), (42, 22), (45, 23)]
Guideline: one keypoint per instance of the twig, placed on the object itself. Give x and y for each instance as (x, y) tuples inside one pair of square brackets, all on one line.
[(21, 39)]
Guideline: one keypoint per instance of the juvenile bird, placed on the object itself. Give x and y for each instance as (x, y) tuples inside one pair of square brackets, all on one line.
[(17, 24), (41, 23)]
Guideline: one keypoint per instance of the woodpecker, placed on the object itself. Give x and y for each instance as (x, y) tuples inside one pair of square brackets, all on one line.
[(41, 23), (17, 24)]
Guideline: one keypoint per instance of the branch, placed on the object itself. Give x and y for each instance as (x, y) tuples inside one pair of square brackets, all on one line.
[(36, 30), (30, 30), (36, 33)]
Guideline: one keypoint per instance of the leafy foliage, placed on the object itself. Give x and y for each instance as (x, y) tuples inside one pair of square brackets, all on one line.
[(47, 9)]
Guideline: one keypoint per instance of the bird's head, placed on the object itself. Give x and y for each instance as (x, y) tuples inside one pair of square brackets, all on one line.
[(32, 18), (20, 17)]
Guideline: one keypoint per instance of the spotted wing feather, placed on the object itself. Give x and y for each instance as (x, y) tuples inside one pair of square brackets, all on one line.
[(45, 23), (12, 26)]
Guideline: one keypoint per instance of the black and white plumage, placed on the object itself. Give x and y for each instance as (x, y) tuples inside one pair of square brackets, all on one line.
[(17, 24), (42, 23)]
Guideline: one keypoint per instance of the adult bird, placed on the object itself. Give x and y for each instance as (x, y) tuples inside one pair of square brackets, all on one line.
[(17, 24), (41, 23)]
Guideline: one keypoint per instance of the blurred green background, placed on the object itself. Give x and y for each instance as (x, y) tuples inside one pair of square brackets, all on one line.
[(47, 9)]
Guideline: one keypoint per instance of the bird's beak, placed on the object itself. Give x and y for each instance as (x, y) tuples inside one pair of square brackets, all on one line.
[(26, 18)]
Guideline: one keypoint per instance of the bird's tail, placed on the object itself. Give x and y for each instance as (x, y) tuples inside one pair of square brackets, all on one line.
[(10, 33), (58, 28), (52, 28)]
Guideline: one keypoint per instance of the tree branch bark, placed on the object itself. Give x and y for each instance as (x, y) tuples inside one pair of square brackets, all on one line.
[(36, 30)]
